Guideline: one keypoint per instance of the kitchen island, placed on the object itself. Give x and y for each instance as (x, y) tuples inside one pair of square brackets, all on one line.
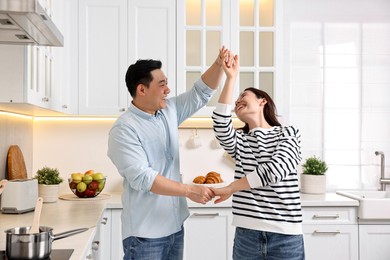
[(65, 215)]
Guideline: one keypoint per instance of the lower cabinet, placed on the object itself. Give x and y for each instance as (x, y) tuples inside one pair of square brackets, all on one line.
[(330, 233), (107, 243), (374, 242), (208, 234)]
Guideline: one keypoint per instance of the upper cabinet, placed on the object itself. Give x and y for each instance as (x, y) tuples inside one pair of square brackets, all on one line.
[(248, 28), (26, 77), (152, 35), (130, 30), (102, 57)]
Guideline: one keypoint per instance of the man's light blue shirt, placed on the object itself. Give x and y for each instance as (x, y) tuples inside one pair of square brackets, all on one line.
[(141, 146)]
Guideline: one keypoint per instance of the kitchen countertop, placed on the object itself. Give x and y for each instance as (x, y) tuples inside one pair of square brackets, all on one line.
[(66, 215)]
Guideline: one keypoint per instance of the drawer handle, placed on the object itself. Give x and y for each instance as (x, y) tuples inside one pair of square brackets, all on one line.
[(104, 221), (327, 232), (205, 214), (326, 216)]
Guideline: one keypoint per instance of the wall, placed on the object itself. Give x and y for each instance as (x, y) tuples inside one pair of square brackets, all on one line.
[(15, 130), (77, 145)]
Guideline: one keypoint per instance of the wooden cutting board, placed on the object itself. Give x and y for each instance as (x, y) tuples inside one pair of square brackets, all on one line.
[(16, 167)]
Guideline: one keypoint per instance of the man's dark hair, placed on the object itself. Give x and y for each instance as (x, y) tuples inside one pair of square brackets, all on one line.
[(139, 73)]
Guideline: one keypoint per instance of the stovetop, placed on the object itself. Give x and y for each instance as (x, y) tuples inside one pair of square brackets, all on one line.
[(56, 254)]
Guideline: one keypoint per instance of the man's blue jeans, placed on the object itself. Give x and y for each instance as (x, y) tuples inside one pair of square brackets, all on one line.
[(259, 245), (164, 248)]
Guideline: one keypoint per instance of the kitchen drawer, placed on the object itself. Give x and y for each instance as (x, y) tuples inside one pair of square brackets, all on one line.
[(329, 215)]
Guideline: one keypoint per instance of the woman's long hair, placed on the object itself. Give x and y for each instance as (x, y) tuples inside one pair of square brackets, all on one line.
[(269, 109)]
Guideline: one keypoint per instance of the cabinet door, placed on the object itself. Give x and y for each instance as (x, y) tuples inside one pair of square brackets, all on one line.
[(116, 235), (248, 28), (65, 59), (374, 242), (324, 242), (152, 34), (208, 234), (102, 57)]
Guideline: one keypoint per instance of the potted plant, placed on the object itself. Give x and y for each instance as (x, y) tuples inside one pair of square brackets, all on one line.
[(313, 178), (48, 183)]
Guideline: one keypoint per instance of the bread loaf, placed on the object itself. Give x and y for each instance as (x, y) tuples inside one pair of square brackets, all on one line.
[(199, 180), (210, 178)]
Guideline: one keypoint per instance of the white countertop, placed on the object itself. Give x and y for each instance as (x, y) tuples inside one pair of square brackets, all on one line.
[(65, 215)]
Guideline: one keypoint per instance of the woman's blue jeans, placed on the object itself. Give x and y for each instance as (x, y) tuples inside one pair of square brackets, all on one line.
[(164, 248), (259, 245)]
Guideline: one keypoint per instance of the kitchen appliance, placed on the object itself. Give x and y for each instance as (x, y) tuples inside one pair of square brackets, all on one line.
[(56, 254), (27, 22), (22, 245), (19, 196)]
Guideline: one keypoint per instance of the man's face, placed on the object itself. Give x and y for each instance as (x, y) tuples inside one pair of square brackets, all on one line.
[(157, 92)]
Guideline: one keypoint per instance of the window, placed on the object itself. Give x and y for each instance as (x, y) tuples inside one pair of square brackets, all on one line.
[(338, 78)]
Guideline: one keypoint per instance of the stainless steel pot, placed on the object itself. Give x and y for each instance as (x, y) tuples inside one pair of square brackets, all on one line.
[(22, 245)]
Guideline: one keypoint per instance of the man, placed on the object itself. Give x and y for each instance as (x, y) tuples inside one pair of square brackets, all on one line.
[(143, 145)]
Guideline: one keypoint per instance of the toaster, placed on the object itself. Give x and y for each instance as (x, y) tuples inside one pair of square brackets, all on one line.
[(19, 196)]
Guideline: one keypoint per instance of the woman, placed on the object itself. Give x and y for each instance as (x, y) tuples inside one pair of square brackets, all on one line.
[(266, 200)]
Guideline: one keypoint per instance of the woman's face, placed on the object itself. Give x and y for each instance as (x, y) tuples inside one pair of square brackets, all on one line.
[(248, 105)]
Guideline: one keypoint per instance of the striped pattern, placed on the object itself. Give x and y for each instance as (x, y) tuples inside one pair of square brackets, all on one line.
[(271, 157)]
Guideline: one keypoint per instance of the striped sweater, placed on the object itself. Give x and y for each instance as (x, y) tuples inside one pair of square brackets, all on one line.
[(269, 158)]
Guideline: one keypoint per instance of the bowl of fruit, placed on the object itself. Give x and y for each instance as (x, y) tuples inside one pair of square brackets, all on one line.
[(87, 185)]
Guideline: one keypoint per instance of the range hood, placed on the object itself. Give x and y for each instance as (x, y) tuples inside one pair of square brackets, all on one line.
[(26, 22)]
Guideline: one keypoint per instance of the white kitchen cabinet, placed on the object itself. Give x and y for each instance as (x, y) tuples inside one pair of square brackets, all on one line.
[(208, 234), (107, 243), (30, 75), (374, 242), (248, 28), (330, 233), (65, 60), (130, 30), (152, 35), (103, 56), (25, 77)]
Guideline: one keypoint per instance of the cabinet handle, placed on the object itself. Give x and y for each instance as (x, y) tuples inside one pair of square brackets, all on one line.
[(95, 245), (64, 106), (122, 110), (327, 232), (104, 221), (205, 214), (326, 216), (45, 99)]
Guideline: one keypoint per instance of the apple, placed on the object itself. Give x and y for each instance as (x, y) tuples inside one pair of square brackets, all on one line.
[(98, 176), (89, 172), (79, 194), (101, 186), (87, 179), (73, 185), (89, 193), (93, 185), (76, 177), (81, 187)]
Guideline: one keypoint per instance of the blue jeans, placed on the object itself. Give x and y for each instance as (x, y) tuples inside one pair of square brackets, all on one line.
[(164, 248), (259, 245)]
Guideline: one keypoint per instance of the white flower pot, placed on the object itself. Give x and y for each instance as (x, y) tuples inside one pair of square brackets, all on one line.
[(49, 193), (313, 184)]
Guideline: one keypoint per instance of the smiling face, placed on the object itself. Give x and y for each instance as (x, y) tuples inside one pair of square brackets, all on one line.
[(153, 97), (248, 106)]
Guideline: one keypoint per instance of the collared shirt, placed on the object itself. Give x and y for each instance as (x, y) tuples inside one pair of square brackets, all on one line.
[(141, 146)]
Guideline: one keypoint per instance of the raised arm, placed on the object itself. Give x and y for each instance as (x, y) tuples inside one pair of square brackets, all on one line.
[(231, 67), (213, 75)]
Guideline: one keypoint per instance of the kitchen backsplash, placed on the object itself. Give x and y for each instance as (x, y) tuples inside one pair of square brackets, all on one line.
[(15, 130), (77, 145)]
